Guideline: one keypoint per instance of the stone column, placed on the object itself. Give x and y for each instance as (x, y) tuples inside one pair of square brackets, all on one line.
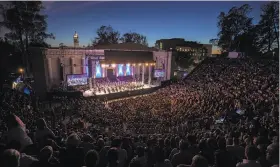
[(90, 83), (72, 66), (149, 82), (143, 71), (63, 68), (138, 71), (124, 69), (103, 71), (83, 66), (89, 67), (50, 70), (94, 70)]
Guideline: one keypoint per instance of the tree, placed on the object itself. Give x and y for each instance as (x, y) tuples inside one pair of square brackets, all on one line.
[(61, 45), (106, 35), (26, 25), (233, 25), (9, 59), (184, 59), (134, 38), (268, 28), (214, 41)]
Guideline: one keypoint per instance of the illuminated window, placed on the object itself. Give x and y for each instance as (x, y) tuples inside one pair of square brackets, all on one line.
[(160, 45)]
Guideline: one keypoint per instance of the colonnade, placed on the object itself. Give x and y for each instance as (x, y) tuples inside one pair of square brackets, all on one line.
[(138, 70)]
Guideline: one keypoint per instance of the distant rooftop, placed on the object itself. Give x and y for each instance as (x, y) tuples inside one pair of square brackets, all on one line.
[(121, 46), (124, 46)]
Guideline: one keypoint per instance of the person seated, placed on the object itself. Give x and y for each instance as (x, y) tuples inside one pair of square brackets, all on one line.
[(183, 157), (273, 154), (17, 131), (72, 155), (113, 158), (251, 154), (43, 130), (91, 158), (10, 158), (46, 158)]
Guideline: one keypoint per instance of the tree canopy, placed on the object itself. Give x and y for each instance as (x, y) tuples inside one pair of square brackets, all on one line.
[(26, 25), (238, 33), (134, 38), (268, 27), (108, 35)]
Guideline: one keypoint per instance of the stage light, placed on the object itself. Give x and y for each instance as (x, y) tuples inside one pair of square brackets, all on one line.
[(139, 64), (147, 64), (120, 70), (134, 64), (103, 65), (127, 72), (113, 65), (127, 64), (98, 71)]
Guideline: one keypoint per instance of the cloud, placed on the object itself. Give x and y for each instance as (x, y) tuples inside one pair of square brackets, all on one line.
[(48, 5)]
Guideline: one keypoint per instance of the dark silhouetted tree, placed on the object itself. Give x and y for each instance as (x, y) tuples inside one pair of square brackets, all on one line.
[(268, 28), (134, 38), (26, 26), (61, 45), (214, 41), (106, 35), (231, 26), (184, 59)]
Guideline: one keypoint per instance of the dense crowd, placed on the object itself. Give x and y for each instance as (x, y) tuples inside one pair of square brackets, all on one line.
[(175, 126)]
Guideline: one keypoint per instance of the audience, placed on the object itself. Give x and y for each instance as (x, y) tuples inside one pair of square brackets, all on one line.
[(207, 119)]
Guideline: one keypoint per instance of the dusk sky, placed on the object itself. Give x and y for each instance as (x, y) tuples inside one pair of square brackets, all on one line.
[(195, 21)]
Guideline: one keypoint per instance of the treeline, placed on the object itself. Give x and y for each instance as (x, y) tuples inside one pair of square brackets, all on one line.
[(107, 35), (238, 33)]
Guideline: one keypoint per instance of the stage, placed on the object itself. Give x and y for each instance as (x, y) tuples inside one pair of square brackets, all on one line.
[(89, 93)]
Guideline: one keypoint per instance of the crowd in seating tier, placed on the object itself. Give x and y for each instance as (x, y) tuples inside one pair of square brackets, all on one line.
[(195, 122)]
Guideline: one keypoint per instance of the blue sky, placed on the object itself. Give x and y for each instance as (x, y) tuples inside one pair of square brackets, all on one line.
[(190, 20)]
